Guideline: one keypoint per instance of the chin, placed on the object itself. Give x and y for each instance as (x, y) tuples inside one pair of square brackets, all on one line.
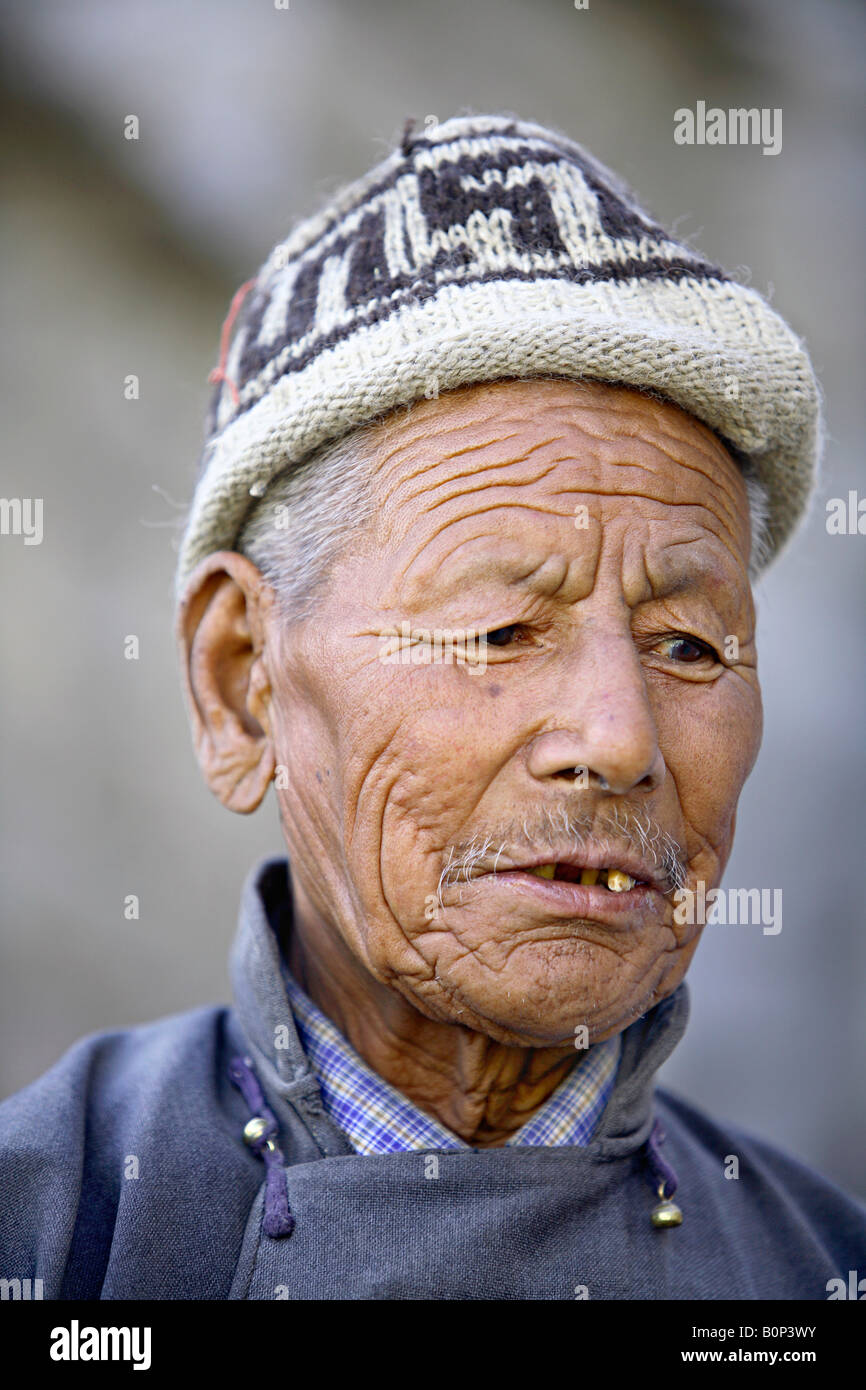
[(530, 1013)]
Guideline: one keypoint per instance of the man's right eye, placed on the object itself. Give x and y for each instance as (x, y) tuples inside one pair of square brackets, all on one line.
[(501, 636)]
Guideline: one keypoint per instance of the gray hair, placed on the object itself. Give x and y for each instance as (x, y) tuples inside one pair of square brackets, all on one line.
[(308, 514), (297, 530), (759, 517)]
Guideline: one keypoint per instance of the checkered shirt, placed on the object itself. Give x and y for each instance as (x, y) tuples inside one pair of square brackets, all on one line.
[(378, 1119)]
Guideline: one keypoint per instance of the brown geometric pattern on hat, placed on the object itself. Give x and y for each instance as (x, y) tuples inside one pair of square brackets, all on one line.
[(485, 249), (497, 206)]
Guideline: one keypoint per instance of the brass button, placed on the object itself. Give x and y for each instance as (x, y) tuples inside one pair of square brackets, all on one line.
[(254, 1129), (667, 1213)]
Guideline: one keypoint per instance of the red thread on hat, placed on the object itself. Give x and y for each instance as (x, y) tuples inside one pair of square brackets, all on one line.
[(219, 371)]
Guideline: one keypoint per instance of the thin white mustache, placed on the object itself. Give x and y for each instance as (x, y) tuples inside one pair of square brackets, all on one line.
[(560, 829)]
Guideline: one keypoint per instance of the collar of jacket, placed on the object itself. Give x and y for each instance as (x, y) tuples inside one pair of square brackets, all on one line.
[(265, 1016)]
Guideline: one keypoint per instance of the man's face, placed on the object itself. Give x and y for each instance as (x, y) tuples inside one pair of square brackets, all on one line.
[(602, 539)]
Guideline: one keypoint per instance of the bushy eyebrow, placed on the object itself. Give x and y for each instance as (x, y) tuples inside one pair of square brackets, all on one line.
[(690, 569), (544, 576), (693, 571)]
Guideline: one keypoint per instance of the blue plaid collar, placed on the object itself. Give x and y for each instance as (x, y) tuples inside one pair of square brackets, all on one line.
[(378, 1119)]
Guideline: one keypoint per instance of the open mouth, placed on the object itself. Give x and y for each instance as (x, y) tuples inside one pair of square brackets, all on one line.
[(622, 892), (614, 880), (584, 875)]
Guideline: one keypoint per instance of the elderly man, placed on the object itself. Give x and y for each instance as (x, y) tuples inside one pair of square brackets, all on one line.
[(492, 462)]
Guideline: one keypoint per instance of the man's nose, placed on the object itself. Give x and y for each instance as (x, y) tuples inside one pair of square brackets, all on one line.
[(601, 721)]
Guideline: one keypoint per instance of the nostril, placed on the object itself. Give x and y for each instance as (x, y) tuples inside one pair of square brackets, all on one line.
[(580, 774)]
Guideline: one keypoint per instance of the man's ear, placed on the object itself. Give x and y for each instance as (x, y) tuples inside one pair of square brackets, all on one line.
[(221, 638)]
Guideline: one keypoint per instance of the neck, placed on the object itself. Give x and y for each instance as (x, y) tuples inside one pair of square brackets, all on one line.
[(482, 1090)]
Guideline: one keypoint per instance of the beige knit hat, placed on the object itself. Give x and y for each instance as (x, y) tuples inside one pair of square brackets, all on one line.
[(481, 249)]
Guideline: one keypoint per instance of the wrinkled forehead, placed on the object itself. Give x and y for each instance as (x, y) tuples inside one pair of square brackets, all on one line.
[(517, 460)]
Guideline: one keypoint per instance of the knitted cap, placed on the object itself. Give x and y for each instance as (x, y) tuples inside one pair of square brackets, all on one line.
[(485, 248)]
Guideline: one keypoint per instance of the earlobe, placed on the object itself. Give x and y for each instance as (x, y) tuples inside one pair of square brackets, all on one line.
[(220, 633)]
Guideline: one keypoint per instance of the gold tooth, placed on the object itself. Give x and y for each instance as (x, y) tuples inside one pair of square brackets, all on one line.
[(544, 870), (619, 882), (588, 876)]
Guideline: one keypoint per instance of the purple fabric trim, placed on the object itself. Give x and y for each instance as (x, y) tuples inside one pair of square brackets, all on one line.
[(278, 1219), (662, 1170)]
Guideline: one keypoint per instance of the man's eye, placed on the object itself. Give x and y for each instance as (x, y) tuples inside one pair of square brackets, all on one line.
[(501, 636), (687, 649)]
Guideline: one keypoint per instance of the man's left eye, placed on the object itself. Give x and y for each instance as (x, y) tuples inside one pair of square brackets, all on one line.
[(687, 649)]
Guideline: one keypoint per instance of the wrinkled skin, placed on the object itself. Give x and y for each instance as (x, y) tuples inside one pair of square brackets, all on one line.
[(470, 1008)]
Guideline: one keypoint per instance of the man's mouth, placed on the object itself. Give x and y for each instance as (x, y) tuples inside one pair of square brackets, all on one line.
[(614, 880), (605, 880), (613, 868), (602, 872)]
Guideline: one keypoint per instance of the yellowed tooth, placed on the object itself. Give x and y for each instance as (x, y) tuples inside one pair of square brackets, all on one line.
[(618, 882), (589, 876), (544, 870)]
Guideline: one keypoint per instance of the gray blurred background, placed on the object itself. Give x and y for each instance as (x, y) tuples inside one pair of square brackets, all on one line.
[(120, 257)]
